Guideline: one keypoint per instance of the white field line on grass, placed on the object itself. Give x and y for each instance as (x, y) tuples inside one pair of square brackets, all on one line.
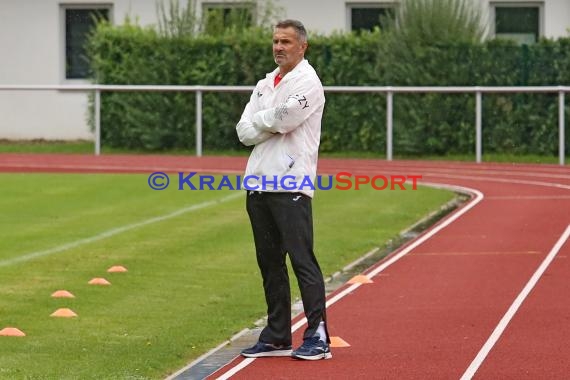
[(496, 334), (115, 231), (478, 198)]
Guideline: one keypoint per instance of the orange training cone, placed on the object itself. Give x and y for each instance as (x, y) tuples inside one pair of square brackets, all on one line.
[(362, 279), (63, 313), (99, 281), (337, 341), (11, 331), (62, 294), (117, 269)]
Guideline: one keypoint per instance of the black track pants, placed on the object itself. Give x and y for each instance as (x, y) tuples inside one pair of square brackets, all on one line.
[(282, 224)]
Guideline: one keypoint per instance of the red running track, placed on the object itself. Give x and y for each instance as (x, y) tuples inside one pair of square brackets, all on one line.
[(482, 294)]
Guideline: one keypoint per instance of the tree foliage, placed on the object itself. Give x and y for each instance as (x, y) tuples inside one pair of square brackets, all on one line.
[(428, 22)]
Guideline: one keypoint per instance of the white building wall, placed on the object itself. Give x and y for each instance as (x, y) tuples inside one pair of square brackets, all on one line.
[(557, 18), (31, 52)]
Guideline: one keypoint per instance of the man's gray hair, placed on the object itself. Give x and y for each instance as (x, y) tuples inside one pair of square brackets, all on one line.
[(295, 24)]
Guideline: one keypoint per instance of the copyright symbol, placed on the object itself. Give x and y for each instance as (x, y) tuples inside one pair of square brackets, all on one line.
[(158, 181)]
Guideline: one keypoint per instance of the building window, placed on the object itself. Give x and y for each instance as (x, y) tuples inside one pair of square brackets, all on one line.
[(518, 21), (220, 16), (368, 16), (79, 23)]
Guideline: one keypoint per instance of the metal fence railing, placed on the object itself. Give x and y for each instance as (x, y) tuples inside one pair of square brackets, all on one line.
[(388, 90)]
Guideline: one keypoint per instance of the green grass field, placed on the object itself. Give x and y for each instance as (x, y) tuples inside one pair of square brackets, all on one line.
[(192, 282)]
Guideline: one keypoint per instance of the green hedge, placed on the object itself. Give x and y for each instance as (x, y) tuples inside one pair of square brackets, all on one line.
[(423, 123)]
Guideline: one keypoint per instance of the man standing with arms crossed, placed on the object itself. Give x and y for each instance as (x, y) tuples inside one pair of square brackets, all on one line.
[(283, 121)]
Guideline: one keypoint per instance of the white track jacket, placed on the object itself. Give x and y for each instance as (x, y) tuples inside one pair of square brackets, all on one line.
[(284, 124)]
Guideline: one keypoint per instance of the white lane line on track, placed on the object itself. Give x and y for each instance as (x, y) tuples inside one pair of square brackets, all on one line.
[(500, 180), (478, 198), (115, 231), (419, 169), (539, 169), (438, 175), (528, 197), (502, 173), (496, 334), (236, 369)]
